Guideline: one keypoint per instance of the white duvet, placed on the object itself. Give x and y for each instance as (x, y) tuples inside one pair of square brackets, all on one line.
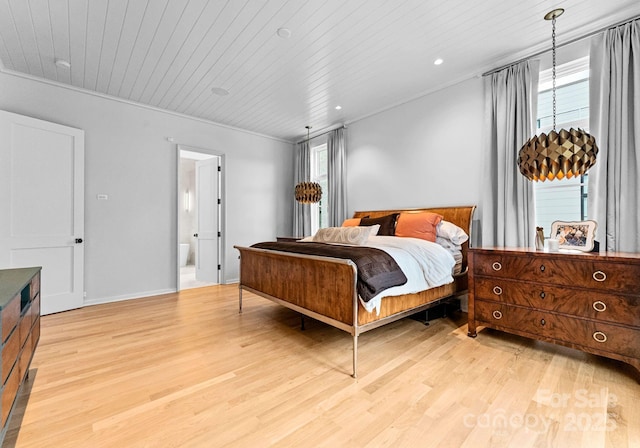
[(425, 264)]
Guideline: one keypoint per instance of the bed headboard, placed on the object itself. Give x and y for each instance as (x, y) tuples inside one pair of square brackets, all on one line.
[(461, 216)]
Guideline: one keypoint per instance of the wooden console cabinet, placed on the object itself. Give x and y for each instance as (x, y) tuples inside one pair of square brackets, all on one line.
[(589, 302), (20, 330)]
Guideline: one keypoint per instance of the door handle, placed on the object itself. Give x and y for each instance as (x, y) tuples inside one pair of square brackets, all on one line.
[(78, 240)]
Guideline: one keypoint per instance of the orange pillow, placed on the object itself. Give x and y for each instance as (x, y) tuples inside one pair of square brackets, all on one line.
[(418, 225), (351, 222)]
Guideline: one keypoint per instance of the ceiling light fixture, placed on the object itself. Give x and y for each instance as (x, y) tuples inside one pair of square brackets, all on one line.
[(284, 33), (62, 63), (308, 192), (438, 61), (219, 91), (338, 107), (560, 154)]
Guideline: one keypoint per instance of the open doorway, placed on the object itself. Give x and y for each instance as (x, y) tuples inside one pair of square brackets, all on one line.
[(199, 218)]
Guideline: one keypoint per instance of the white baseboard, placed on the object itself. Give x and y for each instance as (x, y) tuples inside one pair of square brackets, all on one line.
[(140, 295)]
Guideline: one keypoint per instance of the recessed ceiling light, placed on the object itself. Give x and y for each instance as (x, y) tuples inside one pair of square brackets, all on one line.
[(284, 33), (219, 91), (438, 61), (338, 107), (62, 63)]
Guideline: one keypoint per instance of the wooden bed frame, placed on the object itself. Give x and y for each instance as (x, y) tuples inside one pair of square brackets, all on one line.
[(324, 288)]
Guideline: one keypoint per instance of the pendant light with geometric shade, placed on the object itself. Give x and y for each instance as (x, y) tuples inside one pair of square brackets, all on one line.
[(308, 192), (559, 155)]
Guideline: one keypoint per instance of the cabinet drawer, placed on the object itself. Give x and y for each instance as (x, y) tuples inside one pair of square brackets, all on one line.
[(10, 316), (573, 331), (25, 327), (561, 269), (35, 334), (35, 309), (10, 354), (605, 306), (25, 357), (35, 285), (9, 393)]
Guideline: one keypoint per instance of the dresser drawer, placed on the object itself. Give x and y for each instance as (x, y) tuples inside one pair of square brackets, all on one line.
[(573, 331), (35, 286), (10, 316), (34, 310), (604, 306), (10, 354), (35, 334), (9, 393), (25, 357), (24, 327), (561, 269)]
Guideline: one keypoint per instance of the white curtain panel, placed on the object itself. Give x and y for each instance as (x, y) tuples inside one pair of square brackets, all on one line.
[(336, 177), (302, 173), (508, 210), (614, 199)]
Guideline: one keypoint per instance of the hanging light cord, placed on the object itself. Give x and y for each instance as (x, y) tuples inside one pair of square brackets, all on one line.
[(553, 73)]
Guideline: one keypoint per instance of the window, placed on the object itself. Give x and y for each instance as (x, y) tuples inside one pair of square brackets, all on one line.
[(319, 168), (564, 199)]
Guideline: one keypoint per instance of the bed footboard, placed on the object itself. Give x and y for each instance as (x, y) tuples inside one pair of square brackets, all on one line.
[(322, 288), (324, 285)]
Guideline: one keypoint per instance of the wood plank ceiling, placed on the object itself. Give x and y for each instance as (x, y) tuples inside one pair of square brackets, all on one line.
[(362, 55)]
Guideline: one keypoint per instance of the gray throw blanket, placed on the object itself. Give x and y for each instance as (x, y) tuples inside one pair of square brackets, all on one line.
[(377, 270)]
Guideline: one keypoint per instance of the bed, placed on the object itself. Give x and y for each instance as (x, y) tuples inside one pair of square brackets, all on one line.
[(325, 288)]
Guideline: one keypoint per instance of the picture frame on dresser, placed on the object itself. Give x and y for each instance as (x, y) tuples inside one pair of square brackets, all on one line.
[(574, 235)]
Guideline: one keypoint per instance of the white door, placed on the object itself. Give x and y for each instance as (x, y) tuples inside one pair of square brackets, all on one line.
[(42, 198), (207, 200)]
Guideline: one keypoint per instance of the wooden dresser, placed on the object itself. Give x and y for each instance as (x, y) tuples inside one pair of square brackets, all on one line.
[(589, 302), (20, 329)]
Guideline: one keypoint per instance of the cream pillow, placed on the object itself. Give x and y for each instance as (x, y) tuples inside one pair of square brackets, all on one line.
[(374, 229), (450, 231), (343, 235)]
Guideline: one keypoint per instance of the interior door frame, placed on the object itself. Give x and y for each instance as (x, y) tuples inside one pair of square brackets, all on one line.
[(221, 215)]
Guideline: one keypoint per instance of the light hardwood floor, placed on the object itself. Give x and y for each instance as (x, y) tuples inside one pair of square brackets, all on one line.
[(186, 370)]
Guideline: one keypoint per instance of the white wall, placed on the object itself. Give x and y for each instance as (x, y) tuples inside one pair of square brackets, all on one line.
[(423, 153), (130, 240)]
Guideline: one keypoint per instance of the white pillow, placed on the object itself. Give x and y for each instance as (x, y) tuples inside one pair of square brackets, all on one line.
[(343, 235), (373, 229), (450, 231), (448, 244)]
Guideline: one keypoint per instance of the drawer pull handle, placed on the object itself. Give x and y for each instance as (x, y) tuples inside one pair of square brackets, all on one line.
[(497, 314), (599, 336), (496, 266), (543, 322), (542, 295), (599, 276), (599, 306), (542, 268), (498, 290)]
